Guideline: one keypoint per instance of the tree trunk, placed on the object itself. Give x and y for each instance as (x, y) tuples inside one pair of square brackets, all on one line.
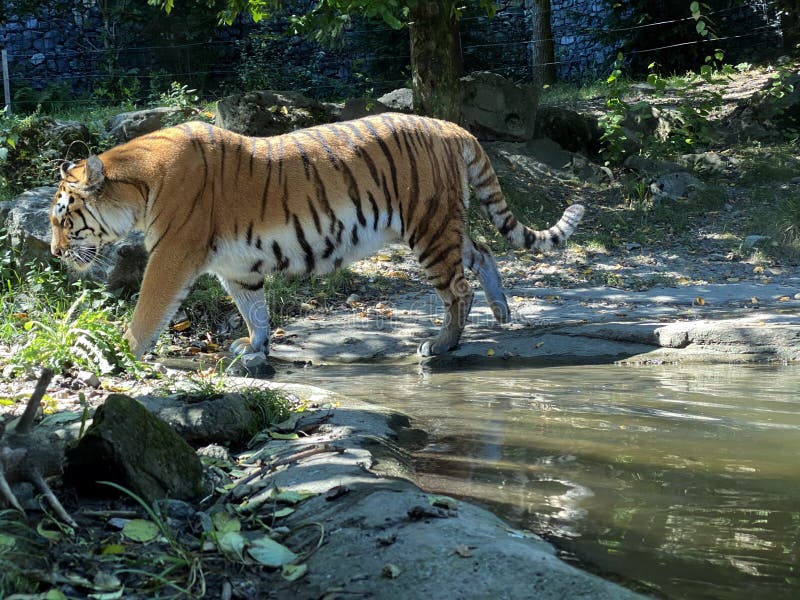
[(542, 53), (436, 59)]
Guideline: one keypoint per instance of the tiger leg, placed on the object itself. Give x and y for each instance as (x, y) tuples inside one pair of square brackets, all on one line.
[(456, 294), (252, 304), (478, 259), (164, 286)]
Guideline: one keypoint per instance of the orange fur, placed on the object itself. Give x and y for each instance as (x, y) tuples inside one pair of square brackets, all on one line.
[(209, 200)]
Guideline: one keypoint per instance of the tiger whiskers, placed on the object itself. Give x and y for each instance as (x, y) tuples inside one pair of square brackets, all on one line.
[(86, 255)]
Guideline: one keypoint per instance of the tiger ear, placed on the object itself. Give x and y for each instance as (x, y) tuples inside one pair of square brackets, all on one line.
[(65, 168), (93, 173)]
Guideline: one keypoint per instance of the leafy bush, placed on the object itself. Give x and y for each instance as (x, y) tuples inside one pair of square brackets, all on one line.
[(84, 335), (30, 153), (49, 100)]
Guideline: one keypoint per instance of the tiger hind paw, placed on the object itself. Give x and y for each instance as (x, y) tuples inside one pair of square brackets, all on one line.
[(243, 346)]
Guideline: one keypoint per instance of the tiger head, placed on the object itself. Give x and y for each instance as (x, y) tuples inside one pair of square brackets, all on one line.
[(84, 216)]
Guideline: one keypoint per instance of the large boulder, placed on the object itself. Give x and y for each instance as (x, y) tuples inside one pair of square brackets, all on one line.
[(266, 113), (399, 100), (571, 130), (767, 114), (494, 108), (543, 158), (28, 223), (120, 266), (128, 125), (355, 108)]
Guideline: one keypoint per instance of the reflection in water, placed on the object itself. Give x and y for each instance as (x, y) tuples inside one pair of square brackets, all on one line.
[(684, 479)]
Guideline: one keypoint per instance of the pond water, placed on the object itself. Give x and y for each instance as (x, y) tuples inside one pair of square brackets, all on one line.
[(681, 481)]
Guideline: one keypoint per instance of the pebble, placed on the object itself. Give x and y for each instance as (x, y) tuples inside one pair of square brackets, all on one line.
[(752, 240), (88, 378)]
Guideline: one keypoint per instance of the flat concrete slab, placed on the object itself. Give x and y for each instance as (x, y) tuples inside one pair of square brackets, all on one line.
[(731, 322)]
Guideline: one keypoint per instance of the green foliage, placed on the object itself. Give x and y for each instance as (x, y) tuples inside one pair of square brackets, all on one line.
[(84, 335), (49, 100), (289, 296), (30, 153), (20, 550), (613, 137), (183, 569), (178, 96)]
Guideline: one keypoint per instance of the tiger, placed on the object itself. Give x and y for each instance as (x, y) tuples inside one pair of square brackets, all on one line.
[(209, 200)]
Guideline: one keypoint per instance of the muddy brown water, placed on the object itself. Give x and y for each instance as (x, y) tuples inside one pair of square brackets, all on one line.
[(682, 481)]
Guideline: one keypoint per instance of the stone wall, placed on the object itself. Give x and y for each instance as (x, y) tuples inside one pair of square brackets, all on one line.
[(580, 51), (44, 48), (65, 42)]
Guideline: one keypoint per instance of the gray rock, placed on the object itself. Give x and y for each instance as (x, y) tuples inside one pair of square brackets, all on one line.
[(88, 378), (267, 113), (355, 108), (544, 158), (650, 166), (67, 133), (28, 227), (768, 113), (707, 162), (494, 108), (673, 186), (128, 125), (752, 241), (28, 223), (130, 446), (400, 100)]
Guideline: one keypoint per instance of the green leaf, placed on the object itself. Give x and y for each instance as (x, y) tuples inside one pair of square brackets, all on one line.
[(53, 536), (112, 549), (7, 541), (293, 572), (284, 512), (700, 27), (231, 544), (224, 523), (694, 7), (282, 436), (55, 595), (108, 595), (291, 497), (270, 553), (140, 530), (61, 417), (443, 502)]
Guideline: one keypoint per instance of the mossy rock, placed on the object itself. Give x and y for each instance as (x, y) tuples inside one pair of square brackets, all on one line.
[(130, 446)]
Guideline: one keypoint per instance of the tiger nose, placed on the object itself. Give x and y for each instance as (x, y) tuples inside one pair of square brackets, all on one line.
[(56, 251)]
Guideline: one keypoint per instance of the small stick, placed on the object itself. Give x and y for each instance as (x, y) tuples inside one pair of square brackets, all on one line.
[(39, 481), (6, 493), (26, 421)]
